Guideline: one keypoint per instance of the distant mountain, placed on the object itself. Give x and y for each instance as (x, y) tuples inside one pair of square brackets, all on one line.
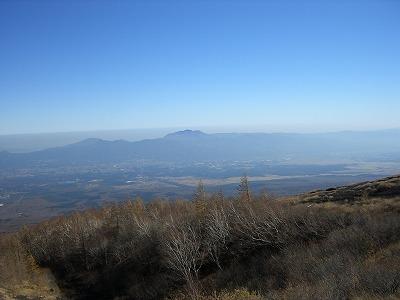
[(186, 134), (191, 146)]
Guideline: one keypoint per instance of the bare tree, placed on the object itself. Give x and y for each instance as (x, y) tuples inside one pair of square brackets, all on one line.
[(182, 247), (217, 231), (199, 198), (244, 189)]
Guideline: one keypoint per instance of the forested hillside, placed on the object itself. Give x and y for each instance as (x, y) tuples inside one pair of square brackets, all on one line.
[(313, 246)]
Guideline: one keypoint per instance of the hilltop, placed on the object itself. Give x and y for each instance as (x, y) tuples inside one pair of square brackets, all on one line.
[(186, 133)]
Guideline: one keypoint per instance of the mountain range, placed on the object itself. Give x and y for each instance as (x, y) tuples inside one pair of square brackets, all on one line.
[(197, 146)]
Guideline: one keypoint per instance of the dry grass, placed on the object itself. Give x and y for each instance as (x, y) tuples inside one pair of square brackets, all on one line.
[(20, 276)]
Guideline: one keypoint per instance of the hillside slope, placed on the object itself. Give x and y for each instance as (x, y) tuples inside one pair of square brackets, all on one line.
[(341, 243), (384, 188)]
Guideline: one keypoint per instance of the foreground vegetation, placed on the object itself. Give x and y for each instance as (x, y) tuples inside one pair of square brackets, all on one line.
[(247, 247)]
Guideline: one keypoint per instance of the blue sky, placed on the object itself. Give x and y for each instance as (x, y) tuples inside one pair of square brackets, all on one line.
[(268, 65)]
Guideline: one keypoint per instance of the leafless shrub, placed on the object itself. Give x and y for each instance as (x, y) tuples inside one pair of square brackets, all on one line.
[(217, 231), (183, 252), (284, 251)]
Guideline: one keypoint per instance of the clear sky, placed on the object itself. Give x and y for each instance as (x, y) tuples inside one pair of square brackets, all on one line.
[(277, 65)]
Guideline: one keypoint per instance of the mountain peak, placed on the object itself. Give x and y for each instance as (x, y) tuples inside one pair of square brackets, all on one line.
[(186, 133), (89, 141)]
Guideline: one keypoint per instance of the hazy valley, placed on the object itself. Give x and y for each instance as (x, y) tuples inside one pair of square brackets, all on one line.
[(37, 185)]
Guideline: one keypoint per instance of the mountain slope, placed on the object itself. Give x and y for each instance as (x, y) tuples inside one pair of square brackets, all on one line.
[(385, 188), (220, 249)]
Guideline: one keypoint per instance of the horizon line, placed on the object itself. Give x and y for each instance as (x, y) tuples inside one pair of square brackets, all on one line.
[(198, 128)]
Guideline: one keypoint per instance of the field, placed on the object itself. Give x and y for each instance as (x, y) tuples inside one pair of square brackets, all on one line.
[(31, 195)]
